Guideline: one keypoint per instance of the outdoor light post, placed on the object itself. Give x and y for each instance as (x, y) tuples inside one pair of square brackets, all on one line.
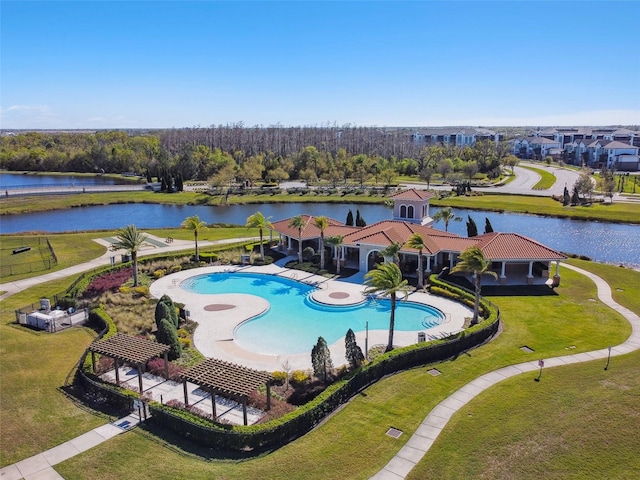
[(608, 359), (366, 340), (540, 364)]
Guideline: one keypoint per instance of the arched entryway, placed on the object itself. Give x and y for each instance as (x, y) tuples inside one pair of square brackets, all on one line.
[(374, 258)]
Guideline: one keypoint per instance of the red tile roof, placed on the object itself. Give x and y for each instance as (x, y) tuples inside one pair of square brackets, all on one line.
[(413, 194), (310, 230), (511, 246), (495, 246)]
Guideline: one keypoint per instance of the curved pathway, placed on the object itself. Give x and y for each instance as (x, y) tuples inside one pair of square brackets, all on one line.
[(433, 424), (40, 466), (105, 259)]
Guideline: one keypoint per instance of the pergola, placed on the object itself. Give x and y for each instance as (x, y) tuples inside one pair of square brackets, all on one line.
[(227, 380), (133, 350)]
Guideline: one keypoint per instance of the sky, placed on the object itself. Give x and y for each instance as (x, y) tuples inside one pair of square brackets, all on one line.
[(162, 64)]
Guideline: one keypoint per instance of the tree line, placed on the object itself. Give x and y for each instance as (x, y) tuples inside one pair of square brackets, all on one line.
[(227, 155)]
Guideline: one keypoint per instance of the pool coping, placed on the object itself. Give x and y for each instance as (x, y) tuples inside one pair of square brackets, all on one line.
[(214, 336)]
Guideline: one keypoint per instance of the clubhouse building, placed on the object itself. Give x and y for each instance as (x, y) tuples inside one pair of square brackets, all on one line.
[(517, 260)]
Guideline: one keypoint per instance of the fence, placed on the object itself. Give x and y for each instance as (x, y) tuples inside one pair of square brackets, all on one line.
[(47, 260)]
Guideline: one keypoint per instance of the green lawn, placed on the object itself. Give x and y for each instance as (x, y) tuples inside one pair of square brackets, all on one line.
[(70, 249), (546, 181), (351, 444), (616, 212)]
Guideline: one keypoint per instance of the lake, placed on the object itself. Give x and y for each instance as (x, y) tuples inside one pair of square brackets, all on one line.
[(602, 242), (19, 180)]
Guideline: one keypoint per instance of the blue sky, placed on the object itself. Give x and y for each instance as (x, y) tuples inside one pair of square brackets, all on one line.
[(119, 64)]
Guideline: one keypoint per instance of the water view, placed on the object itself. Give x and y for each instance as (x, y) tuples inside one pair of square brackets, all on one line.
[(20, 180), (602, 242)]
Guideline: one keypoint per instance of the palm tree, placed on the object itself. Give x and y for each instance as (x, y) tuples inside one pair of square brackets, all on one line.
[(322, 223), (393, 252), (259, 221), (472, 261), (386, 279), (336, 242), (446, 215), (130, 239), (416, 241), (194, 223), (299, 223)]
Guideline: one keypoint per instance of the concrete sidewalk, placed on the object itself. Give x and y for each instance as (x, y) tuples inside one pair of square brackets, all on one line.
[(105, 259), (431, 427), (40, 466)]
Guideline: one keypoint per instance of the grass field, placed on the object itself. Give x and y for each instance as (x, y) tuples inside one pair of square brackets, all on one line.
[(616, 212), (37, 258), (546, 179), (549, 324)]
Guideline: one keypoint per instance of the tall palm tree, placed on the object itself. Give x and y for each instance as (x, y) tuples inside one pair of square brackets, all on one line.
[(446, 215), (393, 252), (416, 241), (386, 279), (322, 223), (259, 221), (472, 261), (194, 223), (130, 238), (336, 242), (299, 223)]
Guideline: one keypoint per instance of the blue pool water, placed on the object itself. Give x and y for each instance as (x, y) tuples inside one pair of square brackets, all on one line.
[(295, 321)]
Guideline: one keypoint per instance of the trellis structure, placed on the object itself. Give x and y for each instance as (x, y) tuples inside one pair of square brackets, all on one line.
[(227, 380), (133, 350)]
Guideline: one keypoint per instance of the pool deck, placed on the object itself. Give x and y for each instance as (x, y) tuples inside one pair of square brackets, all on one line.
[(219, 314)]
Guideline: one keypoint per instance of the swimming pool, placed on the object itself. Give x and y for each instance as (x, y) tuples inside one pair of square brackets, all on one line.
[(294, 320)]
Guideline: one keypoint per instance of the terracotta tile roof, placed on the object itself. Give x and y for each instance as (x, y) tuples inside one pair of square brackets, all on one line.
[(413, 194), (495, 245), (511, 246), (310, 230), (386, 232)]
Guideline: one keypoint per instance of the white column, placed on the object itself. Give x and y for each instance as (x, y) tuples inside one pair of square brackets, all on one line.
[(504, 266), (289, 243), (450, 260), (428, 264), (557, 267), (530, 274)]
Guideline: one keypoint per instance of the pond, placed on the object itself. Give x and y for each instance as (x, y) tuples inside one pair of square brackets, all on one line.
[(600, 241), (20, 180)]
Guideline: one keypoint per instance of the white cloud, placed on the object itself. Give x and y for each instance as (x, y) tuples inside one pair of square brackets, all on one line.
[(28, 116)]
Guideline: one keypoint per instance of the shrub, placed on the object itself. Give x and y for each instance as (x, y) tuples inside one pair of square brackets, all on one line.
[(279, 377), (156, 367), (141, 291), (208, 257), (108, 281), (307, 253), (175, 268), (299, 377), (159, 273)]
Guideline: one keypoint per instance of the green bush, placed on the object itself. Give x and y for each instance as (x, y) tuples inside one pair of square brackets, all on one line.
[(299, 377), (279, 377)]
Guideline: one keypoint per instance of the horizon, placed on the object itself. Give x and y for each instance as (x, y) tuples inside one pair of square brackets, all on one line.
[(94, 65)]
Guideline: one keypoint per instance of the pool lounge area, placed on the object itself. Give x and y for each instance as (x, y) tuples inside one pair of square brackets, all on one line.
[(220, 314)]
